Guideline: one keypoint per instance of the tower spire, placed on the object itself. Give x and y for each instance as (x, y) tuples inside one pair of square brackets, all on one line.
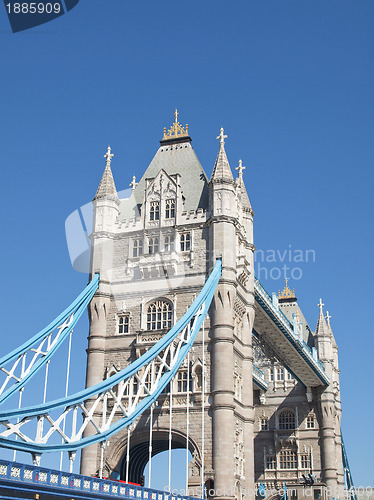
[(321, 328), (107, 187), (222, 171)]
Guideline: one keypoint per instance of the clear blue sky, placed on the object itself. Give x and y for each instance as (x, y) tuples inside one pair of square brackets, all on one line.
[(292, 84)]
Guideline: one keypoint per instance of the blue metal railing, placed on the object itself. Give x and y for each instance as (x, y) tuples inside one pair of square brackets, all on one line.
[(286, 327), (347, 473), (259, 377), (13, 474)]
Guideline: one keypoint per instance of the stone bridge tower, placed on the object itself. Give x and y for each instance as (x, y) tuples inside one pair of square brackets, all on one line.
[(154, 251)]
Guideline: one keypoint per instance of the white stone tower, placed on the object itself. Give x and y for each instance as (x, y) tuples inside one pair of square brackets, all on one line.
[(154, 252)]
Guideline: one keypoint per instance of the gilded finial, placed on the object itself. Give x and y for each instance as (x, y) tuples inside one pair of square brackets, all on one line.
[(108, 155), (240, 169), (286, 293), (222, 137), (176, 130)]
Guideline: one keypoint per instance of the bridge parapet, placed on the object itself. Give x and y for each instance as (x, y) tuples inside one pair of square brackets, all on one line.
[(23, 477)]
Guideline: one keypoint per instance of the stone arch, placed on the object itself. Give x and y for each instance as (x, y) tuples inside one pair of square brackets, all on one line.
[(139, 450)]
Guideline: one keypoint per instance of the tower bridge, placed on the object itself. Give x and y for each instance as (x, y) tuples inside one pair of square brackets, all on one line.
[(186, 349)]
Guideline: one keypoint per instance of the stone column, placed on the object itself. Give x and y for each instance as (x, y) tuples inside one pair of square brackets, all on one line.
[(222, 336)]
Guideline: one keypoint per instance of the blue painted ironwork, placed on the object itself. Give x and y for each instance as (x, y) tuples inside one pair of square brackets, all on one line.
[(41, 347), (118, 389), (22, 477), (278, 317), (259, 378), (347, 473)]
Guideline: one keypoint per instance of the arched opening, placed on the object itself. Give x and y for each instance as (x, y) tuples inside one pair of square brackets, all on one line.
[(139, 457), (209, 489), (160, 470)]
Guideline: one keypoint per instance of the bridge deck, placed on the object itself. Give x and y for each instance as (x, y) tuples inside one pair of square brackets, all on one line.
[(272, 326)]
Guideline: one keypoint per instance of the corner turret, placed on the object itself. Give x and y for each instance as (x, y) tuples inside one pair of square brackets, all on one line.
[(222, 171)]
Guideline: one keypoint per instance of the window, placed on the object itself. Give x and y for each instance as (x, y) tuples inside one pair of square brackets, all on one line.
[(286, 419), (271, 374), (154, 213), (289, 375), (169, 243), (123, 324), (148, 380), (280, 373), (153, 245), (137, 248), (305, 461), (159, 315), (287, 459), (293, 495), (317, 494), (182, 381), (270, 462), (310, 422), (135, 385), (170, 209), (185, 242), (264, 424)]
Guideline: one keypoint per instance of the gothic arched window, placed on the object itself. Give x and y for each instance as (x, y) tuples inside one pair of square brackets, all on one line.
[(154, 213), (159, 315), (286, 419), (185, 241), (153, 245), (169, 243), (169, 209)]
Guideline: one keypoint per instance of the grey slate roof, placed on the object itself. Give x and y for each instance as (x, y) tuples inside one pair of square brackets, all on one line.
[(173, 159)]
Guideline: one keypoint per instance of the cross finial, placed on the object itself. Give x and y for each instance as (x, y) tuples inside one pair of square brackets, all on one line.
[(320, 305), (108, 155), (240, 169), (328, 317), (222, 137), (176, 116), (133, 183)]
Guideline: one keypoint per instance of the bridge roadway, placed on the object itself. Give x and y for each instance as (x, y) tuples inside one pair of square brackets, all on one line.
[(274, 328), (28, 481)]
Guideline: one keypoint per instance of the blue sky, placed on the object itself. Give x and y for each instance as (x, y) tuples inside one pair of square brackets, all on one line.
[(292, 84)]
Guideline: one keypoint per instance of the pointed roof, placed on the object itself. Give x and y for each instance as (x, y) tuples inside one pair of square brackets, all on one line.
[(242, 192), (174, 159), (321, 328), (328, 317), (222, 171), (107, 188)]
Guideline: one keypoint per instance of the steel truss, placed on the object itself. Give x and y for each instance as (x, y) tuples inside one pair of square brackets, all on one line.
[(100, 411), (28, 358)]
